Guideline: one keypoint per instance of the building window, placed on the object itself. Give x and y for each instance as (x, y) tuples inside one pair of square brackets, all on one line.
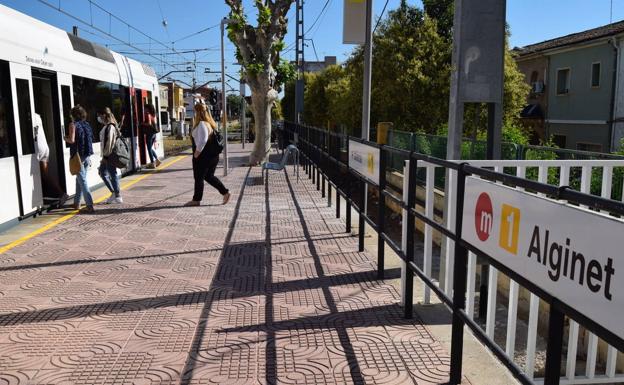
[(591, 147), (7, 140), (559, 140), (595, 75), (563, 81)]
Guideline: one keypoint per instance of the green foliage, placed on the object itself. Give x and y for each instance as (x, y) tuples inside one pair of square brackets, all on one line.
[(285, 72), (264, 14), (276, 111), (279, 46), (411, 78), (253, 69)]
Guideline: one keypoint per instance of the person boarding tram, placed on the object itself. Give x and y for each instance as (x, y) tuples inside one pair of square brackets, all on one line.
[(80, 139), (107, 170), (43, 154)]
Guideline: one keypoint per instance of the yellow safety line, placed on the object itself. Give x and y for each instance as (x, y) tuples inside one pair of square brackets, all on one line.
[(62, 219)]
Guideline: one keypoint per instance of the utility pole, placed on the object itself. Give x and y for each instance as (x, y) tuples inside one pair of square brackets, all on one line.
[(224, 21), (300, 83), (368, 58)]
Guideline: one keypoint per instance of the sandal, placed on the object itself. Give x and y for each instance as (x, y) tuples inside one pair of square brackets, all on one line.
[(226, 198)]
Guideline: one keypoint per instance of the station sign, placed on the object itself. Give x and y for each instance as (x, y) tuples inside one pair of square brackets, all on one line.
[(364, 159), (354, 22), (573, 254)]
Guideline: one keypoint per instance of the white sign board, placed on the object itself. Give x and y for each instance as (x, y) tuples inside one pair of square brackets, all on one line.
[(354, 22), (364, 159), (575, 255)]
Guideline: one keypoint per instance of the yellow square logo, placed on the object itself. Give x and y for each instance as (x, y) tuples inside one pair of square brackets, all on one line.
[(510, 228), (371, 163)]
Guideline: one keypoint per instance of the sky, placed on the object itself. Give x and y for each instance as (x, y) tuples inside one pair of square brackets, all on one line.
[(531, 21)]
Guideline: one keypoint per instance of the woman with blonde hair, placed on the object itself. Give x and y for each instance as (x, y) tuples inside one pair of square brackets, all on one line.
[(107, 170), (205, 159)]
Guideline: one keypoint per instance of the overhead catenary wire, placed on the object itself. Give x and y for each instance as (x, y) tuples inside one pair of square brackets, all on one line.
[(380, 16), (164, 21), (292, 45), (109, 33), (196, 33)]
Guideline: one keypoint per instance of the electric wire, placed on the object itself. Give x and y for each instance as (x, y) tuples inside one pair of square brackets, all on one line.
[(380, 16), (109, 34), (164, 21), (196, 33)]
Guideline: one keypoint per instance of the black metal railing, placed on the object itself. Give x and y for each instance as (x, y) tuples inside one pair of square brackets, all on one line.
[(325, 160)]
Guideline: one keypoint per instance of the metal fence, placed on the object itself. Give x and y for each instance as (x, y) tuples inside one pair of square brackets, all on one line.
[(324, 157)]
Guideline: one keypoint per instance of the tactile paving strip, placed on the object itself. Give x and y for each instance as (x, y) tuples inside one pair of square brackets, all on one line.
[(268, 289)]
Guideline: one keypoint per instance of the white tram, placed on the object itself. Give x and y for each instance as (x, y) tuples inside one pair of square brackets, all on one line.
[(47, 71)]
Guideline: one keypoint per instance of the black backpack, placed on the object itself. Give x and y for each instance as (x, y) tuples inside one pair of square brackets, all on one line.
[(215, 143), (120, 153)]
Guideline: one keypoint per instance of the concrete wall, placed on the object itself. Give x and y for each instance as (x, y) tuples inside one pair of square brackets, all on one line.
[(583, 102), (582, 133), (618, 128)]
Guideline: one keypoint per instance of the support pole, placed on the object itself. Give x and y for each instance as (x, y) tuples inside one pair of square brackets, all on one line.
[(381, 222), (556, 326), (224, 21)]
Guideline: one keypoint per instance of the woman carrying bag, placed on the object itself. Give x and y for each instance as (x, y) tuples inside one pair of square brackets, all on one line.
[(80, 139), (151, 129), (205, 157), (107, 170)]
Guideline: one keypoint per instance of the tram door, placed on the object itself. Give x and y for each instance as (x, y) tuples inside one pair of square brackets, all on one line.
[(66, 97), (23, 108), (140, 101), (46, 100)]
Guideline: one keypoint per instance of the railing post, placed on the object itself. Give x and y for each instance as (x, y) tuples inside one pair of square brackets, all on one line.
[(361, 222), (381, 222), (347, 199), (408, 288), (337, 203), (554, 345), (459, 283), (329, 194)]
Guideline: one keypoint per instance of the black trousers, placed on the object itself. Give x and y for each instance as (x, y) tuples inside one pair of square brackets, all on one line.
[(204, 169)]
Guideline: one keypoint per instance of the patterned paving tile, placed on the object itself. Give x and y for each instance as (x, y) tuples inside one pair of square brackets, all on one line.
[(266, 290)]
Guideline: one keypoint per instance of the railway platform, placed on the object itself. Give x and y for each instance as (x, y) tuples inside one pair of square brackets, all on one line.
[(266, 289)]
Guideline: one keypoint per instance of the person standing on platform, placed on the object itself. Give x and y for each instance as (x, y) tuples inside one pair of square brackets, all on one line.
[(205, 160), (80, 139), (150, 129)]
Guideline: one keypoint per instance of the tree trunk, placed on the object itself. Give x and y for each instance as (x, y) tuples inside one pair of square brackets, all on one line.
[(261, 108)]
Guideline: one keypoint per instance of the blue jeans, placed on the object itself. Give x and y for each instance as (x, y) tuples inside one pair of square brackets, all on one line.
[(108, 173), (82, 187), (151, 138)]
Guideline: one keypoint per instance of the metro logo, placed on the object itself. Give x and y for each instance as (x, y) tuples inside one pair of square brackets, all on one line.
[(484, 217), (510, 228), (509, 223)]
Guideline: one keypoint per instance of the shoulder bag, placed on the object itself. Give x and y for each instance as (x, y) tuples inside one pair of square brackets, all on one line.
[(75, 164)]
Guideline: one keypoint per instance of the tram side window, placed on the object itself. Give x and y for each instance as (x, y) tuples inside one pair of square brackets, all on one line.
[(93, 96), (25, 116), (66, 99), (6, 115)]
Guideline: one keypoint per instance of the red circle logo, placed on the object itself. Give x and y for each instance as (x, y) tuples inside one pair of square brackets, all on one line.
[(484, 217)]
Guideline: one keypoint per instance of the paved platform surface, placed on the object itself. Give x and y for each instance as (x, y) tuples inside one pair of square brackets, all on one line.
[(267, 289)]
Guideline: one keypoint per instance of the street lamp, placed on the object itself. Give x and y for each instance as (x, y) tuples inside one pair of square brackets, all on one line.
[(224, 21)]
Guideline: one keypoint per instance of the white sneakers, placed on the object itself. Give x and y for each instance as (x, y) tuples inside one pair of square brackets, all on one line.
[(114, 199)]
